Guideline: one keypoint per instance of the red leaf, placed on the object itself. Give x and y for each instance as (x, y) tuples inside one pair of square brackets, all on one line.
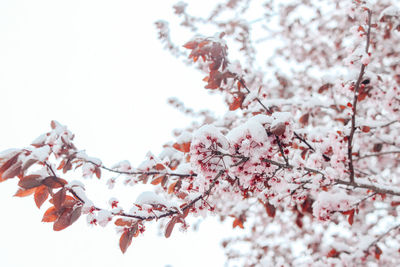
[(365, 129), (304, 153), (332, 253), (24, 192), (395, 203), (324, 88), (237, 102), (351, 218), (378, 252), (157, 180), (191, 45), (159, 167), (30, 181), (62, 164), (126, 240), (50, 215), (171, 188), (351, 215), (185, 147), (170, 227), (41, 195), (237, 222), (97, 171), (122, 222)]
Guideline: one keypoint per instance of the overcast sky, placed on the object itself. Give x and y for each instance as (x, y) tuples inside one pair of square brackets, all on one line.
[(97, 67)]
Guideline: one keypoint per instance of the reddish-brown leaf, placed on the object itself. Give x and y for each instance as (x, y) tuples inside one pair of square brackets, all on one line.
[(271, 210), (24, 192), (185, 213), (41, 195), (12, 171), (30, 181), (377, 147), (395, 203), (62, 164), (278, 129), (181, 195), (237, 102), (164, 181), (191, 45), (69, 202), (28, 164), (157, 180), (159, 167), (63, 221), (170, 227), (126, 240), (378, 252), (237, 222), (122, 222), (324, 87), (7, 165), (59, 198), (365, 129), (304, 153), (54, 182), (50, 215), (76, 213), (304, 119), (351, 218), (97, 171), (144, 178), (171, 188), (185, 147), (351, 215)]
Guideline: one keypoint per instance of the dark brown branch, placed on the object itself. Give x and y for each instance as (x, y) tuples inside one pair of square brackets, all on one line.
[(355, 99), (143, 172)]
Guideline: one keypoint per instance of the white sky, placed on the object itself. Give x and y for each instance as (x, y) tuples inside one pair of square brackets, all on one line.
[(97, 67)]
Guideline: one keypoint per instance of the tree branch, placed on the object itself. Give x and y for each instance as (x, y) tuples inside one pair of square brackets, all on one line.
[(355, 99)]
